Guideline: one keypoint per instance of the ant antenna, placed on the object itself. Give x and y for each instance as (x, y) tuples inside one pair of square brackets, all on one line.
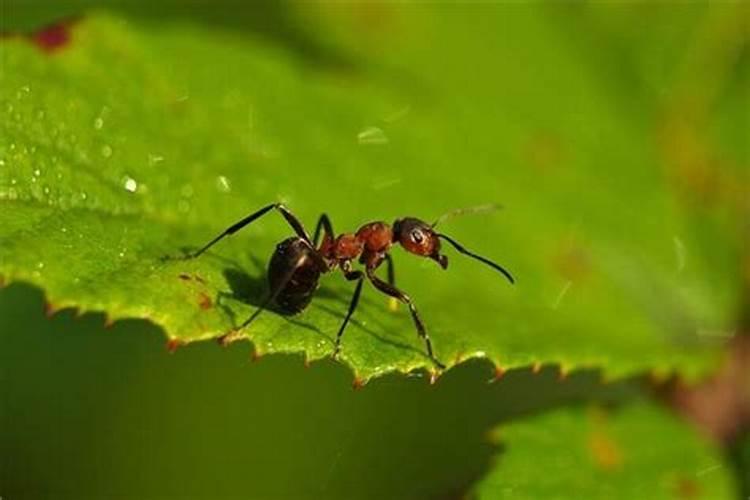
[(464, 251), (479, 209)]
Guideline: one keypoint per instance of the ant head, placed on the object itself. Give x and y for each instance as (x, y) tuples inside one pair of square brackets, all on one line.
[(419, 238)]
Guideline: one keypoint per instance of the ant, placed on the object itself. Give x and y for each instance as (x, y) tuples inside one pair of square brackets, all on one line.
[(298, 261)]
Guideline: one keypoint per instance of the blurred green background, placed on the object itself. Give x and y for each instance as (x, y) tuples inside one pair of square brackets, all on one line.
[(596, 125)]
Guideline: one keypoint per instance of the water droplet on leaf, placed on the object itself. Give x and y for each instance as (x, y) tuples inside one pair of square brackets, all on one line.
[(130, 184), (153, 159), (372, 135), (222, 184)]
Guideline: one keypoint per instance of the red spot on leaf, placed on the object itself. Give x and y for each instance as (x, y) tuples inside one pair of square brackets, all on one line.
[(52, 37)]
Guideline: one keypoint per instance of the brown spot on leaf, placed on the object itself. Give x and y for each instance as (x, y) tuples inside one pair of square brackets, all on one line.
[(185, 277), (572, 261), (687, 488), (604, 450), (499, 373), (204, 301), (544, 151)]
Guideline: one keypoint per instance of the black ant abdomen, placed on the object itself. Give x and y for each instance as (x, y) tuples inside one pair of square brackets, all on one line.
[(293, 293)]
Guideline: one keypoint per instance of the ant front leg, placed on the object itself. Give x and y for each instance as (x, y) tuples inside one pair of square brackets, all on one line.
[(351, 276), (398, 294), (325, 223), (289, 216)]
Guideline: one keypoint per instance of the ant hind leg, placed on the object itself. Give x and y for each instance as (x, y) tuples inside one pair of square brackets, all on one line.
[(289, 216), (325, 223)]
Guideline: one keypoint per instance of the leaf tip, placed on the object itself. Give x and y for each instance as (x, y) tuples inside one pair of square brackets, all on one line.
[(173, 344), (49, 309), (229, 337), (499, 373), (255, 356), (108, 321)]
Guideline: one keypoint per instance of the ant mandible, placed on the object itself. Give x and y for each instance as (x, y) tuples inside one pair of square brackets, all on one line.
[(298, 261)]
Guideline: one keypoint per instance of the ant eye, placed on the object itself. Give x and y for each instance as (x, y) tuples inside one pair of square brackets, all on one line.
[(417, 236)]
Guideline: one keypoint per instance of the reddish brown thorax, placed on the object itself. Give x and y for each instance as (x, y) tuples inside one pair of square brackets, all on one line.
[(373, 240), (376, 236), (347, 246)]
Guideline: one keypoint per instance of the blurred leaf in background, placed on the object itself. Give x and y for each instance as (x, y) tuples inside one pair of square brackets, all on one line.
[(590, 453)]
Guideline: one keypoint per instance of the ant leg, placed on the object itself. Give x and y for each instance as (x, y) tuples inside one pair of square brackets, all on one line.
[(275, 292), (325, 223), (391, 275), (392, 301), (398, 294), (289, 216), (351, 276)]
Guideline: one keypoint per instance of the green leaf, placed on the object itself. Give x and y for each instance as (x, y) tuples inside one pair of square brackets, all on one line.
[(134, 141), (639, 451)]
